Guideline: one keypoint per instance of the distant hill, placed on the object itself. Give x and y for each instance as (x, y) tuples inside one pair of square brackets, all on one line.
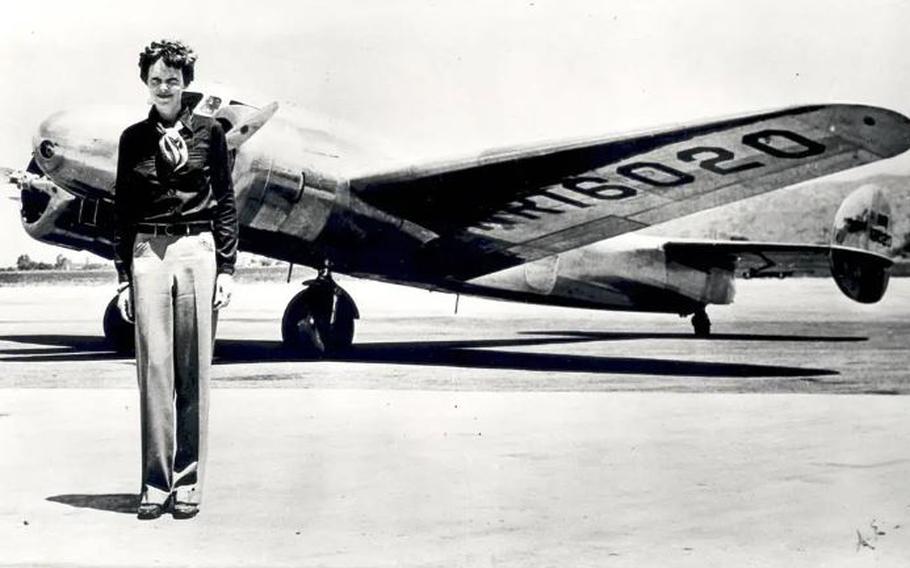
[(801, 214)]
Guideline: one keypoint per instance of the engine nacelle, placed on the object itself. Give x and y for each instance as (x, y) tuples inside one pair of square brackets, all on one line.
[(863, 221), (284, 193), (628, 272)]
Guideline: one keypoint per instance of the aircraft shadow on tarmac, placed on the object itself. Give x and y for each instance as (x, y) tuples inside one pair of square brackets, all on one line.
[(114, 502), (474, 353), (621, 336)]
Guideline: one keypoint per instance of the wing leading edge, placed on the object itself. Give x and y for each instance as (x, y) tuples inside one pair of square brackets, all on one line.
[(512, 206)]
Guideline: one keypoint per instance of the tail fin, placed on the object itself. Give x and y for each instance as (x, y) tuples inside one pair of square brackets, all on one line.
[(863, 221)]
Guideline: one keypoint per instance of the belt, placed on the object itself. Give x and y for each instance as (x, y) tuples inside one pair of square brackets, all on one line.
[(174, 229)]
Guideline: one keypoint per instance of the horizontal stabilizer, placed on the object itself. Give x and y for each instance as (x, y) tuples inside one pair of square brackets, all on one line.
[(781, 260)]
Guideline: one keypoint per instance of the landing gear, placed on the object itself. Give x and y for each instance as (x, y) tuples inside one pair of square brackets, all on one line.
[(701, 323), (319, 320), (120, 334)]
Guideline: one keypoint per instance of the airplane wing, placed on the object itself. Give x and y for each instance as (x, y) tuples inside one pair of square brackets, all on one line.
[(755, 259), (511, 206)]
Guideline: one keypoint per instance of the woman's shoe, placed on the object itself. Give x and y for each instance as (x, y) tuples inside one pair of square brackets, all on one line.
[(149, 511), (184, 510)]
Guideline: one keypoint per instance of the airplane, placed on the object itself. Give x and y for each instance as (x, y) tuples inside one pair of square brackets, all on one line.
[(547, 223)]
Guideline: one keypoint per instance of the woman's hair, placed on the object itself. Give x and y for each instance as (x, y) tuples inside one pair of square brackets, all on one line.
[(175, 54)]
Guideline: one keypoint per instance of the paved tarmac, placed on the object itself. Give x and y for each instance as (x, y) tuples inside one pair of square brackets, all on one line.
[(495, 437)]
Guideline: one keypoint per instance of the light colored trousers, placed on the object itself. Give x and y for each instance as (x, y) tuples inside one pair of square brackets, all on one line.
[(173, 289)]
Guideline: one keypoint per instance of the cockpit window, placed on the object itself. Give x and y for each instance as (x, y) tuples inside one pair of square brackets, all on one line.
[(226, 111), (212, 103), (208, 106)]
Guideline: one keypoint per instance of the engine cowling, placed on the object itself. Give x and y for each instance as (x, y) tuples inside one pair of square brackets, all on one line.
[(53, 215), (862, 223)]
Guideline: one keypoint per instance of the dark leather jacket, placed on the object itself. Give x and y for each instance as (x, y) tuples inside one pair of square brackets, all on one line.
[(148, 190)]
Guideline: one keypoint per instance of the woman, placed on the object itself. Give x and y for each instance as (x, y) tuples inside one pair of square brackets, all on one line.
[(175, 248)]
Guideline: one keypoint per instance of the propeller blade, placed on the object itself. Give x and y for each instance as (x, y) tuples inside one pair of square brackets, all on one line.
[(9, 183), (245, 129), (14, 180)]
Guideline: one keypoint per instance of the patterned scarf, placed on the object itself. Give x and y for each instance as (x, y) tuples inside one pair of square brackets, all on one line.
[(173, 146)]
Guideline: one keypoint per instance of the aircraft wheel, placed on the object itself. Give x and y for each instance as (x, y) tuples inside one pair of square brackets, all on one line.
[(319, 320), (701, 323), (120, 334)]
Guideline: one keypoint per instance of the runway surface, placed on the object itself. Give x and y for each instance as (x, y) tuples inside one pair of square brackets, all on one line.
[(779, 336), (495, 437)]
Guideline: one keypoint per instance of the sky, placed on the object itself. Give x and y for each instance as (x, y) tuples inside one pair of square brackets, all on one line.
[(445, 77)]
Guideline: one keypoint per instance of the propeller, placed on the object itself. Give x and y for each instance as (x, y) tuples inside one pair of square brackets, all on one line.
[(249, 126), (18, 178), (9, 180)]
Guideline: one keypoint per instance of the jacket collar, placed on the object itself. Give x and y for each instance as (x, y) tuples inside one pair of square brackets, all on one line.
[(185, 116)]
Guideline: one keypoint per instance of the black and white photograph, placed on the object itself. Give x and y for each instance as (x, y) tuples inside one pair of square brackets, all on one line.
[(455, 283)]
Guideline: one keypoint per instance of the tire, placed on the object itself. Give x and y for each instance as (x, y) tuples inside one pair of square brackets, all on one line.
[(299, 331), (306, 328), (701, 324), (342, 334), (119, 333)]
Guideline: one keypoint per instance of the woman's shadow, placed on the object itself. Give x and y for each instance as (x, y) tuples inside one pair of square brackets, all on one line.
[(113, 502)]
